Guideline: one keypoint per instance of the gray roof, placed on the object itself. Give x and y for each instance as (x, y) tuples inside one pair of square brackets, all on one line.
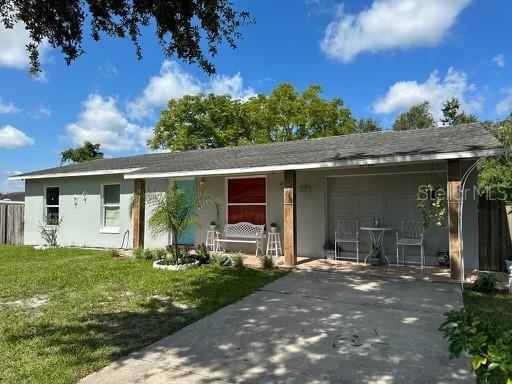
[(412, 144)]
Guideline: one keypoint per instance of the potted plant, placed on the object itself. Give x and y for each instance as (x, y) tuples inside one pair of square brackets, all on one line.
[(508, 264), (213, 226), (443, 258), (273, 227), (377, 255), (329, 251)]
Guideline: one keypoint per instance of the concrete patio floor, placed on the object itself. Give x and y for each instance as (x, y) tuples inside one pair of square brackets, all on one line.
[(309, 327)]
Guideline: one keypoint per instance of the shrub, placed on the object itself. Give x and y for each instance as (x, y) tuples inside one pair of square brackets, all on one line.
[(238, 261), (138, 253), (112, 252), (219, 258), (148, 254), (266, 262), (488, 343), (49, 230), (160, 253), (486, 283), (202, 254)]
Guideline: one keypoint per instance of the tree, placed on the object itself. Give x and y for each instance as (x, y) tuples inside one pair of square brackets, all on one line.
[(174, 211), (212, 121), (364, 125), (86, 152), (185, 28), (452, 114), (495, 173), (417, 117)]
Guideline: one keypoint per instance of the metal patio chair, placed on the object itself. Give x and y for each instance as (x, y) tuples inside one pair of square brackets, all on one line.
[(347, 231), (410, 235)]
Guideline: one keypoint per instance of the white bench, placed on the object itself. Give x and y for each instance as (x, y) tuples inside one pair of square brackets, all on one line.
[(241, 233)]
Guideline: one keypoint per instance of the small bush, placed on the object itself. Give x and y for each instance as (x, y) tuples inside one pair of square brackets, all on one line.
[(138, 253), (202, 254), (488, 343), (486, 283), (160, 253), (266, 262), (238, 261), (112, 252), (148, 254), (219, 258)]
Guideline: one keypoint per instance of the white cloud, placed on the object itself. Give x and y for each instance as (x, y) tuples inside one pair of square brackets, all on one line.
[(505, 105), (173, 82), (11, 138), (14, 51), (8, 107), (10, 185), (230, 85), (499, 60), (100, 121), (108, 70), (41, 112), (390, 24), (404, 94)]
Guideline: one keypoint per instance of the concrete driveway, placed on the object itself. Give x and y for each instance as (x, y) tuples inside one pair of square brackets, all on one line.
[(309, 327)]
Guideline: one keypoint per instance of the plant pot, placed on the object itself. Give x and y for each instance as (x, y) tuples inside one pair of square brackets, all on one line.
[(213, 227), (508, 263), (330, 254), (273, 229), (443, 258)]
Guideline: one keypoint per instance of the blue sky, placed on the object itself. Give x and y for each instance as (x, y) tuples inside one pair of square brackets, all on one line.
[(380, 57)]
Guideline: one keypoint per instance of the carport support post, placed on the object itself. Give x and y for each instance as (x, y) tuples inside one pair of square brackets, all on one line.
[(453, 192), (290, 219), (139, 186)]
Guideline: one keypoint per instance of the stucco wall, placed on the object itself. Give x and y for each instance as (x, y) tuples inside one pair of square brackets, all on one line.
[(81, 224)]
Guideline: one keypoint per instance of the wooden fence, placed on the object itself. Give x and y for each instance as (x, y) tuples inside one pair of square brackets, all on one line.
[(494, 234), (11, 222)]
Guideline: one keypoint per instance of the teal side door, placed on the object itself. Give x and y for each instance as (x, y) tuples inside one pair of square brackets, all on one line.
[(189, 186)]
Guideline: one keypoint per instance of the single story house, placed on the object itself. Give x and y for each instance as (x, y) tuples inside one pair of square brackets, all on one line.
[(304, 186)]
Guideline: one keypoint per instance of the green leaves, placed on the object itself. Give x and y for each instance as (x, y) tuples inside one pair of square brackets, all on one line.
[(212, 121), (417, 117), (495, 174), (488, 343), (188, 29), (88, 151)]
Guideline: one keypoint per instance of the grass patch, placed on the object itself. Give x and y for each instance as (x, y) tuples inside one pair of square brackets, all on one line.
[(97, 308), (494, 308)]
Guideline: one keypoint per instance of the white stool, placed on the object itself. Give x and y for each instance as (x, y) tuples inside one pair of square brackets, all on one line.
[(210, 240), (274, 244)]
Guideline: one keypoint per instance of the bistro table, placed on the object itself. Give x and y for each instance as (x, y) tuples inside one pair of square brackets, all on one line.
[(376, 242)]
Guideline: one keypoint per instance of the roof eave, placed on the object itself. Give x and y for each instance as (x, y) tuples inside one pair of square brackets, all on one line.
[(75, 174), (327, 164)]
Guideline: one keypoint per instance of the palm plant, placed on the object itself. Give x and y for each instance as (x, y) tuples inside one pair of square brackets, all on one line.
[(174, 211)]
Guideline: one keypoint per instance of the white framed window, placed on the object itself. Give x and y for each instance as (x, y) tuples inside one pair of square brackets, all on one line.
[(51, 205), (111, 206)]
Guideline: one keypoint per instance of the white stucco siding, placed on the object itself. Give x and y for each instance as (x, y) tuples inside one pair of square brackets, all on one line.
[(81, 222)]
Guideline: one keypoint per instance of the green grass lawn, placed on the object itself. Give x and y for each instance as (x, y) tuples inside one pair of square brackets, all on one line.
[(495, 308), (98, 308)]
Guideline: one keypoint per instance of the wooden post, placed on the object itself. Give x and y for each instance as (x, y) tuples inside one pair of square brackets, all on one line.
[(290, 219), (453, 191), (138, 213)]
